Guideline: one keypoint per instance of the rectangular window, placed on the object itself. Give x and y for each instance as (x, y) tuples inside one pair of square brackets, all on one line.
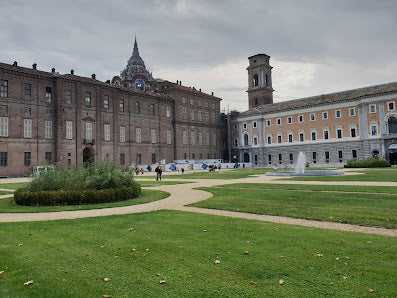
[(244, 125), (199, 118), (138, 158), (372, 108), (390, 106), (48, 94), (28, 111), (325, 115), (151, 109), (88, 131), (69, 130), (3, 159), (27, 91), (269, 139), (213, 117), (48, 157), (88, 99), (48, 130), (300, 118), (337, 114), (122, 158), (122, 134), (326, 156), (106, 102), (268, 122), (169, 137), (279, 139), (290, 138), (137, 107), (326, 134), (168, 111), (255, 124), (289, 120), (183, 101), (301, 137), (106, 130), (312, 117), (279, 121), (280, 157), (213, 106), (352, 112), (121, 107), (339, 133), (3, 126), (192, 138), (184, 113), (191, 101), (340, 154), (153, 157), (27, 158), (374, 130), (27, 128), (291, 157), (207, 117), (313, 135), (3, 88), (353, 132), (68, 97), (138, 135), (354, 153), (200, 138), (153, 135), (270, 158), (207, 139), (214, 139), (184, 137), (192, 115)]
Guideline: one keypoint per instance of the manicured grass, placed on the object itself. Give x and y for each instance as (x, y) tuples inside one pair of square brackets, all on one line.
[(13, 185), (346, 188), (71, 258), (158, 183), (362, 209), (384, 174), (5, 192), (7, 205)]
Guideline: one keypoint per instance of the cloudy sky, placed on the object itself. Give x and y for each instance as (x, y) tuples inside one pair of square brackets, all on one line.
[(316, 46)]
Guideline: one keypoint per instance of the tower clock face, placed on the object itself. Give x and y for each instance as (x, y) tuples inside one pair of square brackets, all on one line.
[(140, 85)]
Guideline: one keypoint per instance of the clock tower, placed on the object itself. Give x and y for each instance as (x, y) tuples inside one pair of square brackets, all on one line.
[(260, 90)]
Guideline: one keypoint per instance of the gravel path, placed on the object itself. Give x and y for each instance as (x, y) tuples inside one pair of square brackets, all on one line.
[(184, 194)]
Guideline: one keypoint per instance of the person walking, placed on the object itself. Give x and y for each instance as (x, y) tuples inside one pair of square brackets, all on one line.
[(158, 172)]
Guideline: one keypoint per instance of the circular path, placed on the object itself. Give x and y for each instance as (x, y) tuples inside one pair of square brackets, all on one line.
[(184, 194)]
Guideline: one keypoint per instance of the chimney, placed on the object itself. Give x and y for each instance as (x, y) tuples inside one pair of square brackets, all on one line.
[(177, 82), (34, 66), (212, 93), (108, 82), (200, 89), (53, 70), (180, 83), (93, 76), (72, 71), (15, 63)]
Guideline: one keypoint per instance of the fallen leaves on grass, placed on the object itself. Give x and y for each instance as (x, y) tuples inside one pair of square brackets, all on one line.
[(281, 282), (204, 230), (371, 290), (253, 283), (130, 229), (158, 274), (319, 255), (28, 283), (162, 282), (106, 279), (337, 259), (20, 244), (345, 277), (246, 252), (217, 261), (116, 257), (133, 250)]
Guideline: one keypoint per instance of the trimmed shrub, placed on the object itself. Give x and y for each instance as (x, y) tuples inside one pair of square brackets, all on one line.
[(368, 163), (73, 197)]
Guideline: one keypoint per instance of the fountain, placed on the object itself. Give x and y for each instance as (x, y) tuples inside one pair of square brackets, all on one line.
[(300, 169)]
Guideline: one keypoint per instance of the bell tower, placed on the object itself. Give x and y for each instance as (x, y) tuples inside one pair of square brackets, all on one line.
[(260, 90)]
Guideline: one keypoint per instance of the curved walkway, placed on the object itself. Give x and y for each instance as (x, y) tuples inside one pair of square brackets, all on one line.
[(184, 194)]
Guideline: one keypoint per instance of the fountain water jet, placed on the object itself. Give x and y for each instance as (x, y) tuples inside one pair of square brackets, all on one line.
[(301, 163)]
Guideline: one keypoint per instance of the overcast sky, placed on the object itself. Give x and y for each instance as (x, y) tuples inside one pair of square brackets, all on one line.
[(315, 46)]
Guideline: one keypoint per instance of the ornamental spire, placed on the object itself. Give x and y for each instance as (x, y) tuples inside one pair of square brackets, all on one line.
[(135, 52)]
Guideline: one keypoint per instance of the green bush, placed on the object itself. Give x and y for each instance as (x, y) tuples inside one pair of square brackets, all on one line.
[(73, 197), (368, 163), (93, 184)]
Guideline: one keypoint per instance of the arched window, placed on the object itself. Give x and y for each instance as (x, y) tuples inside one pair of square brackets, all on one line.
[(256, 101), (246, 139), (392, 124), (255, 80), (266, 80), (246, 157)]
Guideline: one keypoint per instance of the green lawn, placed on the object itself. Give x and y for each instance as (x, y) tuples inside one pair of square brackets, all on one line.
[(13, 185), (5, 192), (364, 209), (383, 174), (71, 258), (7, 205), (344, 188)]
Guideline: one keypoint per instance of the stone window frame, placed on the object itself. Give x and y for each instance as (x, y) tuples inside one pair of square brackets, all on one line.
[(289, 120), (350, 112), (325, 115), (338, 112), (372, 108), (301, 118), (393, 106), (312, 117)]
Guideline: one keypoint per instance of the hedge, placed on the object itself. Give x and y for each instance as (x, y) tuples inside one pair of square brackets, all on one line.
[(368, 163), (72, 197)]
